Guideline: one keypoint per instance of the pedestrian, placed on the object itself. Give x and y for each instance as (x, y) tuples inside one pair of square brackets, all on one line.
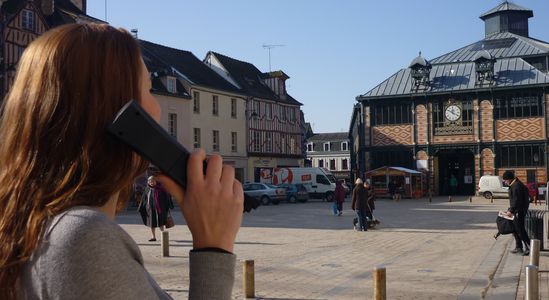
[(371, 199), (453, 185), (392, 189), (339, 196), (157, 205), (518, 206), (64, 178), (360, 204)]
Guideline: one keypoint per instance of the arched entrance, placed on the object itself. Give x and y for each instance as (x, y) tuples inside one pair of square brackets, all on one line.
[(458, 163)]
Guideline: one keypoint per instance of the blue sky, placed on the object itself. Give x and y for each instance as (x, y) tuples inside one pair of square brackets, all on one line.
[(333, 50)]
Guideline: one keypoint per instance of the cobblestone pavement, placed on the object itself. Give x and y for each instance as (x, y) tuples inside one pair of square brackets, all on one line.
[(302, 251)]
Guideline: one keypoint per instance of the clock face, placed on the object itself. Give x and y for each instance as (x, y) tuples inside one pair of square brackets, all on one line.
[(452, 113)]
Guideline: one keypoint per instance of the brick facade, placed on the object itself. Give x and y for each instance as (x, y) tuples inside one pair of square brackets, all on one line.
[(521, 173), (487, 121), (392, 135), (520, 129), (421, 124), (488, 161)]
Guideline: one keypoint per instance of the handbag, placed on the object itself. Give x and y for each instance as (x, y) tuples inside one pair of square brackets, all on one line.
[(169, 221)]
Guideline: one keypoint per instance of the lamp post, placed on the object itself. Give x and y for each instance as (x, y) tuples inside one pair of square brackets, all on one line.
[(250, 114)]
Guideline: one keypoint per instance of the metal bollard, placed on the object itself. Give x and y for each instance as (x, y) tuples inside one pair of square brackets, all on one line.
[(449, 198), (534, 252), (248, 277), (165, 243), (471, 199), (532, 284), (491, 198), (380, 287), (430, 196)]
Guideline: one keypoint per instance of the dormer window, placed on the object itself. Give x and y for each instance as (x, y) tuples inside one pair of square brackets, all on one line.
[(310, 147), (484, 67), (171, 84), (28, 20), (344, 146), (326, 147), (420, 72)]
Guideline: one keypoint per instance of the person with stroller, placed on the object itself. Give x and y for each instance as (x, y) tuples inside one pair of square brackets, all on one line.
[(518, 206), (360, 204)]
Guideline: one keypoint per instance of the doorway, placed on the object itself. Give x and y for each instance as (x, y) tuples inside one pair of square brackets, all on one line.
[(460, 165)]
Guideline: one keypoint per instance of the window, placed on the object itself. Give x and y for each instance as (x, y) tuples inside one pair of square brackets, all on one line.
[(321, 179), (518, 105), (269, 110), (20, 51), (393, 158), (172, 124), (256, 141), (344, 146), (234, 142), (310, 147), (283, 113), (215, 140), (399, 113), (27, 20), (233, 108), (519, 156), (321, 163), (215, 105), (171, 84), (332, 164), (292, 145), (196, 138), (196, 102), (326, 147), (344, 164), (268, 142)]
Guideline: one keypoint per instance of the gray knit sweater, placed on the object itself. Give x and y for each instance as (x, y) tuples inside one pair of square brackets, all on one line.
[(86, 255)]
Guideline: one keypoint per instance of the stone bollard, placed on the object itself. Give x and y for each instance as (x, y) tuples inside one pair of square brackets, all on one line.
[(248, 278), (532, 284), (165, 243), (471, 199), (380, 286), (534, 252), (449, 198), (430, 196), (491, 198)]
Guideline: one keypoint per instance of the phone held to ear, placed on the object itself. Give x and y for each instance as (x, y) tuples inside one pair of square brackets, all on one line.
[(137, 129)]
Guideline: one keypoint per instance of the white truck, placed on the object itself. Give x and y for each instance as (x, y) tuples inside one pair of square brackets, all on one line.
[(319, 182)]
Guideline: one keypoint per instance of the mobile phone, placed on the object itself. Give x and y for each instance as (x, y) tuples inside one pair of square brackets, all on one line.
[(137, 129)]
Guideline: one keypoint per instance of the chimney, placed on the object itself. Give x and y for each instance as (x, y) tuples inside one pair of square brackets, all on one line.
[(47, 7)]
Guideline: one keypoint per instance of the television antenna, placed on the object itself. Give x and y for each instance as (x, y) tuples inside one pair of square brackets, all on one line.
[(269, 47)]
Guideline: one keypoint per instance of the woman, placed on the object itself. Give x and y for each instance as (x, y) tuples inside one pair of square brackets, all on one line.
[(360, 204), (63, 178), (156, 205), (339, 196)]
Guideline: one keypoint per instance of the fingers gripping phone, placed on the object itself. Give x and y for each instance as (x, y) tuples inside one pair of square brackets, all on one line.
[(137, 129)]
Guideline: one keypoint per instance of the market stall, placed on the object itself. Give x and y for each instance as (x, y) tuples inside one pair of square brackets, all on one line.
[(409, 183)]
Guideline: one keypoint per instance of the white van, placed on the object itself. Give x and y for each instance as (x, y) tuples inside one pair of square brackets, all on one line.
[(319, 182), (490, 185)]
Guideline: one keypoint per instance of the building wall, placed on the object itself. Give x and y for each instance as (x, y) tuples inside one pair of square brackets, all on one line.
[(523, 129), (182, 108), (487, 124), (222, 122), (421, 124), (387, 135)]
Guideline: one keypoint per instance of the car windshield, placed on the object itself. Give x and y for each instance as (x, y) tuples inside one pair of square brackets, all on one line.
[(331, 178), (272, 186)]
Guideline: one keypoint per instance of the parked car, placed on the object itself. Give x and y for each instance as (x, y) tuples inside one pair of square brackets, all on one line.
[(266, 193), (295, 192), (492, 186)]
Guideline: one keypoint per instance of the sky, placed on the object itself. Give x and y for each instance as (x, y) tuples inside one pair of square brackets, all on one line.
[(333, 50)]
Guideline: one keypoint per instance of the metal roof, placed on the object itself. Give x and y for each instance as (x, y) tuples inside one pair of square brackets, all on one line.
[(499, 45), (460, 76), (506, 6)]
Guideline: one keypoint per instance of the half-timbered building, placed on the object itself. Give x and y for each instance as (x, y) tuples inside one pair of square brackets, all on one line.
[(274, 121), (481, 109)]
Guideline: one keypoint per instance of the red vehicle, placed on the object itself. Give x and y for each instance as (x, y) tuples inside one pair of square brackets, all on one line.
[(533, 192)]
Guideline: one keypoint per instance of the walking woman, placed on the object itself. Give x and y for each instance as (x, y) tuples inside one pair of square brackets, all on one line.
[(339, 196), (156, 205), (63, 178)]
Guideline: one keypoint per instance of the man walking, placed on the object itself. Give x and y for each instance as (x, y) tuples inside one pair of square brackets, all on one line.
[(518, 206)]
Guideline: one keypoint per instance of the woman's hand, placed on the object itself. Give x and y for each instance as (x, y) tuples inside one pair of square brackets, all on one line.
[(212, 204)]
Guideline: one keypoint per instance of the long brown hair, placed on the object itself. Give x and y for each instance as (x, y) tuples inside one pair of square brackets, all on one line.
[(54, 150)]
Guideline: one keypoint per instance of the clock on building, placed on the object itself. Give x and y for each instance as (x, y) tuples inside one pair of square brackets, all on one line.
[(452, 113)]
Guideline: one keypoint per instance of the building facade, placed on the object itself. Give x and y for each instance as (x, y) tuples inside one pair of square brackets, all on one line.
[(481, 109), (330, 151), (207, 112), (273, 117)]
